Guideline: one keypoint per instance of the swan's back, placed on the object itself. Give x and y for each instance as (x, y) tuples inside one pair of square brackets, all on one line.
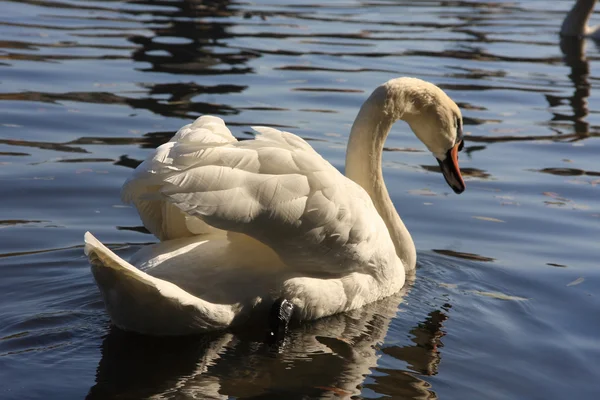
[(275, 189)]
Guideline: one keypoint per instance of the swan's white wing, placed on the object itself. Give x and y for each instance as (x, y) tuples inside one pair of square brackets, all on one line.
[(160, 217), (275, 188)]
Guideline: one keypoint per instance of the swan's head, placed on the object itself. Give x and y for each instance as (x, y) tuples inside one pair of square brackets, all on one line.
[(436, 120)]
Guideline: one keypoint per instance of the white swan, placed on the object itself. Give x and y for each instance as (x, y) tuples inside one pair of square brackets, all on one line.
[(244, 223), (576, 22)]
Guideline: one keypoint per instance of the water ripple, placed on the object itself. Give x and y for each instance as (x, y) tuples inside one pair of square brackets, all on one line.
[(507, 274)]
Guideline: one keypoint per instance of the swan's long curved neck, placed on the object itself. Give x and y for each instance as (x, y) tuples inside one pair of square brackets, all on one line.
[(576, 22), (363, 163)]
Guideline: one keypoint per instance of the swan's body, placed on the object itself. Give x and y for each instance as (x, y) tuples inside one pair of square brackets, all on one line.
[(244, 223), (576, 22)]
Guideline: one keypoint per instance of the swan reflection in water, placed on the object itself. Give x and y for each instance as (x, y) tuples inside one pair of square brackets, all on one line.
[(573, 49), (330, 357)]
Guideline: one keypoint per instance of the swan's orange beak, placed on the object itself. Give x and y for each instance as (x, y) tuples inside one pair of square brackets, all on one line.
[(451, 170)]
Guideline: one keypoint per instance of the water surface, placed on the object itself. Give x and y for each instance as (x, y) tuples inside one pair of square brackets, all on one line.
[(506, 296)]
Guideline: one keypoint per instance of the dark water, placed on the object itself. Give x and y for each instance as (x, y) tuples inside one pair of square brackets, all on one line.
[(506, 300)]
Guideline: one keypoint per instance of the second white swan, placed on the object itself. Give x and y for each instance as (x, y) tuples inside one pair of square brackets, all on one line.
[(268, 224)]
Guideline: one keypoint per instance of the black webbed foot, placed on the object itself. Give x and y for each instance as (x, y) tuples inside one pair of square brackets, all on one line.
[(279, 318)]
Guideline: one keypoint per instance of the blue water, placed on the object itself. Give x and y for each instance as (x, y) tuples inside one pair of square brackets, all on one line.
[(505, 301)]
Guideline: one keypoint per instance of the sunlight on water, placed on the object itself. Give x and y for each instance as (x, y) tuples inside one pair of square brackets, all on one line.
[(504, 301)]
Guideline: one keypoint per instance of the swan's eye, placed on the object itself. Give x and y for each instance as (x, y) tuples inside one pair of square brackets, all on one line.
[(461, 145)]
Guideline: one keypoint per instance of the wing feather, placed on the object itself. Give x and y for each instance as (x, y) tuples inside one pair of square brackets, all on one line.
[(162, 218), (276, 189)]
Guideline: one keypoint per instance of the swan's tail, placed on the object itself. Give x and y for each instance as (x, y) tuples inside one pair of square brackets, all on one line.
[(142, 303)]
